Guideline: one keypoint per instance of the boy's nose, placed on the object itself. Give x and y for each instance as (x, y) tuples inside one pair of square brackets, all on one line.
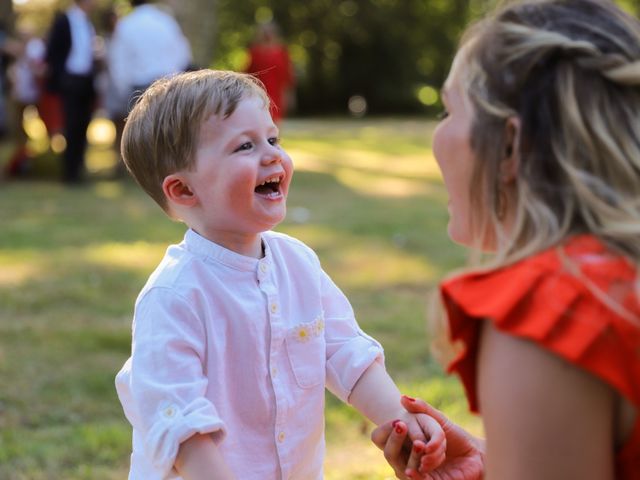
[(273, 155)]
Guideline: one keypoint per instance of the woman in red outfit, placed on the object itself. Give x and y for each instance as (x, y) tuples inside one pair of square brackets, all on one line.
[(269, 61), (540, 154)]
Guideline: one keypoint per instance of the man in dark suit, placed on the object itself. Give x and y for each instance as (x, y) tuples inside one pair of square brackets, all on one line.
[(71, 70)]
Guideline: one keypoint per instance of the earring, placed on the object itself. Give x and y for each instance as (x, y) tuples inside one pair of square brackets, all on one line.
[(509, 151), (501, 207)]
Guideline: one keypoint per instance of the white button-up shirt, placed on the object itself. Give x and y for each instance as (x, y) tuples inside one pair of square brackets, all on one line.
[(80, 59), (241, 348)]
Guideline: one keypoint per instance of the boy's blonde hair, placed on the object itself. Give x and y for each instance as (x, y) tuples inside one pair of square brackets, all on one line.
[(162, 131)]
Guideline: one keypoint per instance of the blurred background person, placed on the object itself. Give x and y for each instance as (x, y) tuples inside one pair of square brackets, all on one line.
[(70, 72), (270, 62), (114, 101), (24, 75), (147, 44)]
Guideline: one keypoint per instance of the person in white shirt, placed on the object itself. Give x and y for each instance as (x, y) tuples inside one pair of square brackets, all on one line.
[(147, 44), (239, 330), (71, 71)]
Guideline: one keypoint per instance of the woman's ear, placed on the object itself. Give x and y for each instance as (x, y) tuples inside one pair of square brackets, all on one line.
[(511, 159), (178, 191)]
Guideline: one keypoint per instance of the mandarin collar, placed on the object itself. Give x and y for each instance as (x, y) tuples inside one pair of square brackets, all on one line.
[(198, 245)]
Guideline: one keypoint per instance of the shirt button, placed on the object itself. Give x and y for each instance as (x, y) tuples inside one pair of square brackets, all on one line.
[(169, 412), (274, 308), (264, 267), (281, 437), (274, 371)]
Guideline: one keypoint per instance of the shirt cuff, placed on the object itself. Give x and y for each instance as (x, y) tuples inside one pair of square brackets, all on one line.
[(346, 366), (174, 425)]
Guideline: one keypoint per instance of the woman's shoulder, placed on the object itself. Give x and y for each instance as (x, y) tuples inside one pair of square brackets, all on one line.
[(583, 268), (578, 301)]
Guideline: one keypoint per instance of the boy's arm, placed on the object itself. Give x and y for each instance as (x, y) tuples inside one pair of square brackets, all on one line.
[(376, 396), (199, 459)]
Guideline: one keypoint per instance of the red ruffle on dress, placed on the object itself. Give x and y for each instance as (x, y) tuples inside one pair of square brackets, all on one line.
[(553, 300)]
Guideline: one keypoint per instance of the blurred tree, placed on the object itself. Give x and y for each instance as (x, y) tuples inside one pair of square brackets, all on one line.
[(198, 19), (6, 14), (393, 53), (385, 51)]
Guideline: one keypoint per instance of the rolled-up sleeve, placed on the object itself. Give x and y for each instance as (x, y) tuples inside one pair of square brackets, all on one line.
[(350, 351), (162, 386)]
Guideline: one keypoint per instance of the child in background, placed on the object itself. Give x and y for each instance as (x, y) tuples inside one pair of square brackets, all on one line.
[(239, 330), (540, 155)]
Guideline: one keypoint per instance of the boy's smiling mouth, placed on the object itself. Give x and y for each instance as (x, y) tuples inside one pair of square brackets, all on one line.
[(270, 186)]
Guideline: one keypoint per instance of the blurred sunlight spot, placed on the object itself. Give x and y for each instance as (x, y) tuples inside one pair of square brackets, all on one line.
[(58, 143), (377, 186), (308, 38), (308, 162), (318, 236), (332, 50), (101, 132), (263, 15), (33, 124), (298, 53), (417, 167), (139, 255), (377, 265), (357, 105), (425, 65), (427, 95), (348, 8), (109, 190), (239, 59), (18, 273)]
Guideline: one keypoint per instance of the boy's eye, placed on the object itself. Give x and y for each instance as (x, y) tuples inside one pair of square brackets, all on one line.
[(442, 115), (244, 146), (274, 140)]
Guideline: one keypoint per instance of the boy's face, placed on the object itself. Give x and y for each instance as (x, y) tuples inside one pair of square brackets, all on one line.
[(241, 176)]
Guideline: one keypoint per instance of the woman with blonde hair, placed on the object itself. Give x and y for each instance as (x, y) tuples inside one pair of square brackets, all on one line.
[(539, 149)]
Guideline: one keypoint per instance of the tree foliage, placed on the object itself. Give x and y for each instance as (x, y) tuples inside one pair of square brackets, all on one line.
[(393, 53), (383, 50)]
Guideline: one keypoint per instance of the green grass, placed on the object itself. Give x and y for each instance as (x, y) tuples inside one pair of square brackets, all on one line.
[(366, 196)]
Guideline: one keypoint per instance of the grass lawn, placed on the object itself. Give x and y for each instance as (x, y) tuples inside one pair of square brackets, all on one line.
[(366, 196)]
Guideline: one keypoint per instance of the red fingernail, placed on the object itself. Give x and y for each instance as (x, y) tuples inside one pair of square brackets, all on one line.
[(399, 429), (411, 399), (417, 447), (394, 423)]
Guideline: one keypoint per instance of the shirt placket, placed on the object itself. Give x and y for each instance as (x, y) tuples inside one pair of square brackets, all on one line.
[(269, 288)]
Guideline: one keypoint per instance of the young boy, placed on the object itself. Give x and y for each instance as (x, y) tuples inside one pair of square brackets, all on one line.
[(239, 330)]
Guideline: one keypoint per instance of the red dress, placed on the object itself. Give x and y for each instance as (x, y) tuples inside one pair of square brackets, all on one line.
[(272, 65), (540, 300)]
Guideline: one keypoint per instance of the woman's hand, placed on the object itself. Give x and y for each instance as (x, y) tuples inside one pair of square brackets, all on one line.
[(464, 457)]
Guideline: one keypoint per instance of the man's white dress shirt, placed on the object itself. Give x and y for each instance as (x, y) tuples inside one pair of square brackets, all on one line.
[(147, 44)]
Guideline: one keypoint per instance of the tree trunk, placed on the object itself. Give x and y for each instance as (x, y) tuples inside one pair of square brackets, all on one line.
[(198, 21), (6, 15)]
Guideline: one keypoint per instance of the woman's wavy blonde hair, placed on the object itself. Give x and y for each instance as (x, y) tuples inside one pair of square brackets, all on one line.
[(569, 70)]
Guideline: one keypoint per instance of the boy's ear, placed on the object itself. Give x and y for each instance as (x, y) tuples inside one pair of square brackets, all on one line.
[(178, 191), (511, 159)]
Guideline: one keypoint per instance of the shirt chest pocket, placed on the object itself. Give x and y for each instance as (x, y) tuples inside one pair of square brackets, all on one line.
[(306, 349)]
